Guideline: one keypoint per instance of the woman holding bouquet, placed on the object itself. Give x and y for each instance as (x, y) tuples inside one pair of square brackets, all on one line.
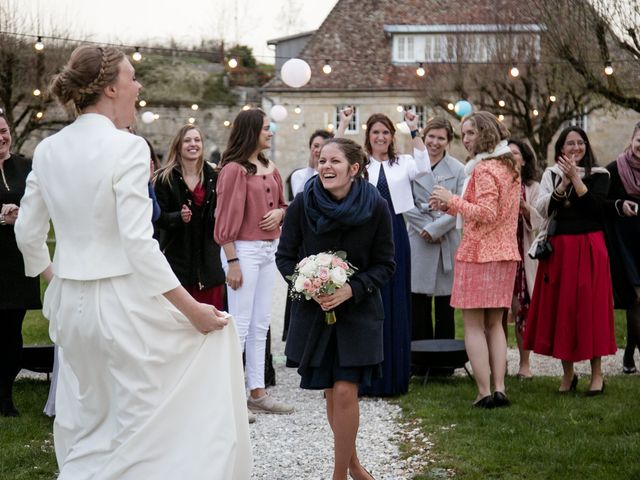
[(339, 210), (392, 173)]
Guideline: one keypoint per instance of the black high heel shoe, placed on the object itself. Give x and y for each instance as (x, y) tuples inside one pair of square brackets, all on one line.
[(500, 400), (573, 386), (593, 393)]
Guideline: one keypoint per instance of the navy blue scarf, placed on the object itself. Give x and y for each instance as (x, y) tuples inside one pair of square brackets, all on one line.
[(325, 214)]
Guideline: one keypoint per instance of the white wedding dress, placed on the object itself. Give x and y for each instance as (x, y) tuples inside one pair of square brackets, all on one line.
[(140, 394)]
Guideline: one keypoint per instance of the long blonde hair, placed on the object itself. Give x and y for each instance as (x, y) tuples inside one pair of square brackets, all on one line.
[(174, 159)]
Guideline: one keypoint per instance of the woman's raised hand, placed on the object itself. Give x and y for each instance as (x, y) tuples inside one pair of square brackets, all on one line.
[(345, 114), (411, 119)]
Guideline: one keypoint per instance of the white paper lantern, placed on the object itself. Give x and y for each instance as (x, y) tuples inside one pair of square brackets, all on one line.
[(148, 117), (278, 113), (295, 72)]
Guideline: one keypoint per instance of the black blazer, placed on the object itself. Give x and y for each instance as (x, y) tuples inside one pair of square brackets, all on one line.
[(358, 328), (17, 291), (190, 248)]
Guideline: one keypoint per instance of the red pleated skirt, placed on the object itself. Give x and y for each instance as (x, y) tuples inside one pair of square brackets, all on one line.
[(571, 312), (211, 296)]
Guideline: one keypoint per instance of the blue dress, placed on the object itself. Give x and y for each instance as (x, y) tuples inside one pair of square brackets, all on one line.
[(396, 299)]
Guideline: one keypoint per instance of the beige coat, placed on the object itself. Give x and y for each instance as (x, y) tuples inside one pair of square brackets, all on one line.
[(530, 231)]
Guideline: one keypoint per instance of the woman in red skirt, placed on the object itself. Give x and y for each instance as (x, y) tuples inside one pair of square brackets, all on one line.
[(571, 313), (485, 267)]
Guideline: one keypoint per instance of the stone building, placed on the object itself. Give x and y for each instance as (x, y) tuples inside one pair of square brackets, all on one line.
[(374, 48)]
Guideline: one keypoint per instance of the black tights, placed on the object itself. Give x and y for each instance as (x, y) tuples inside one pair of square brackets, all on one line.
[(633, 333), (422, 324), (10, 350)]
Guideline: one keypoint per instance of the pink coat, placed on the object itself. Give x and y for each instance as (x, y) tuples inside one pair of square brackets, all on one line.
[(489, 207)]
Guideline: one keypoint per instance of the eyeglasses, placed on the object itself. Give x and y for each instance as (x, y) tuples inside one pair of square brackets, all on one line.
[(579, 143)]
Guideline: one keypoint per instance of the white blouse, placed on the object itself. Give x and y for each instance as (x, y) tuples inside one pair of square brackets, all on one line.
[(400, 175)]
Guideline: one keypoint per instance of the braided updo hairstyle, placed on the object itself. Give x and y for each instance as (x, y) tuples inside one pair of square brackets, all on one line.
[(88, 71)]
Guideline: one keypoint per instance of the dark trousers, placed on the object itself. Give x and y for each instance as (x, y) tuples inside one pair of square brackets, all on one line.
[(422, 323), (10, 349)]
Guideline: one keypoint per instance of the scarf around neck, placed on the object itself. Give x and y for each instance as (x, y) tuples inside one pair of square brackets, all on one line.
[(502, 148), (326, 214), (629, 170)]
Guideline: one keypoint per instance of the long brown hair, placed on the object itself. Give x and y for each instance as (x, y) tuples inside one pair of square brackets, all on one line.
[(244, 139), (88, 71), (490, 132), (174, 158), (386, 121)]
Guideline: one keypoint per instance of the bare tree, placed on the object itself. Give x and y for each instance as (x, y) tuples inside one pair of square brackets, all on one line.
[(535, 104), (24, 74), (590, 34)]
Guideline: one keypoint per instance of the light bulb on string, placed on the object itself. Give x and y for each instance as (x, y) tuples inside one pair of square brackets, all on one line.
[(420, 71), (450, 106), (514, 72), (399, 108), (296, 126), (192, 120), (608, 69), (156, 116), (39, 115), (552, 98), (364, 126), (37, 92), (233, 62), (535, 112), (297, 110), (326, 68), (142, 103), (226, 123), (39, 46), (330, 127), (246, 107), (502, 103), (136, 56), (194, 107), (501, 117)]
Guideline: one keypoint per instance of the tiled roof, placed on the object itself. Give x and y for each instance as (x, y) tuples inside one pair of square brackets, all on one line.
[(353, 38)]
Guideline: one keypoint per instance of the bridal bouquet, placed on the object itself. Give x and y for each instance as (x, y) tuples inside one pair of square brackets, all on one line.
[(320, 274)]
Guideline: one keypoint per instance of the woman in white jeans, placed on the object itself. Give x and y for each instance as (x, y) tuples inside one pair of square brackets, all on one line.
[(249, 212)]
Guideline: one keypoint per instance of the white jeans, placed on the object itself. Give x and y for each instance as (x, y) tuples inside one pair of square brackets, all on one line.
[(250, 304)]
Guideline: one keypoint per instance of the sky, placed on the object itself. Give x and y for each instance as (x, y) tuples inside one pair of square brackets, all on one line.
[(248, 22)]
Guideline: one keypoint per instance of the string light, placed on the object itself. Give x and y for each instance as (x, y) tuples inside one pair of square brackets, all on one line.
[(39, 46), (156, 116), (364, 126), (326, 68), (535, 112), (194, 107), (502, 103), (192, 120), (142, 103), (296, 126), (226, 123), (136, 56), (297, 110), (450, 106), (552, 98), (420, 71), (36, 92), (514, 72), (330, 126), (608, 68), (399, 108), (39, 115), (233, 62), (501, 117), (246, 107)]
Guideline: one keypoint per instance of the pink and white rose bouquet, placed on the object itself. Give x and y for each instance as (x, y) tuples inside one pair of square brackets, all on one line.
[(320, 274)]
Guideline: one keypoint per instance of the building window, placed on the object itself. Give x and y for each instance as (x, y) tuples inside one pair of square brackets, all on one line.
[(353, 124), (581, 121), (420, 111)]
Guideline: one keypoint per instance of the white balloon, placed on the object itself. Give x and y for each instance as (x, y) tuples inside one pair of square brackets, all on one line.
[(278, 113), (295, 72), (148, 117)]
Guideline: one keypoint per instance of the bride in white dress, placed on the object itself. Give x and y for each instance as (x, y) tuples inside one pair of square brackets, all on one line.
[(150, 381)]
